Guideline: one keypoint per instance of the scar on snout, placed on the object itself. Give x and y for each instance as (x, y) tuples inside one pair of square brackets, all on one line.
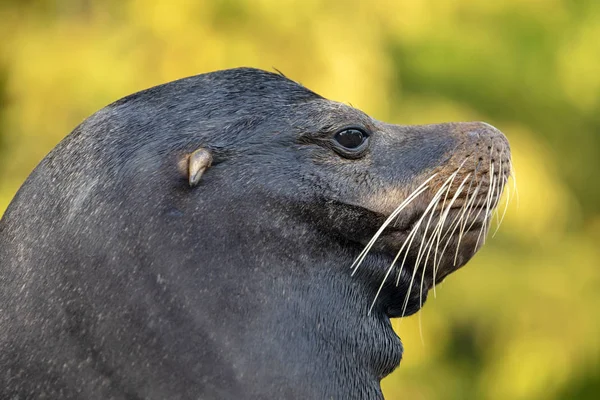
[(195, 164)]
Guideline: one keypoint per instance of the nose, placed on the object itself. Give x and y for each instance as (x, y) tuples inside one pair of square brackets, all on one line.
[(484, 148), (483, 133)]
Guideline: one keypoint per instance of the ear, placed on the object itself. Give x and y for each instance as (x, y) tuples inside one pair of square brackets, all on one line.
[(197, 162)]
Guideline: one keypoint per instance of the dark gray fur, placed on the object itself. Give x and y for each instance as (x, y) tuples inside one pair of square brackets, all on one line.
[(119, 281)]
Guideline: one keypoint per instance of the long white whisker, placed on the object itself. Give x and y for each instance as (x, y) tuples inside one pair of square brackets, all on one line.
[(455, 224), (368, 247), (439, 230), (443, 217), (394, 214), (514, 178), (464, 220), (422, 249), (470, 203), (408, 242), (487, 206), (436, 234), (406, 254), (499, 192), (506, 202), (421, 329), (429, 208), (449, 182), (464, 217)]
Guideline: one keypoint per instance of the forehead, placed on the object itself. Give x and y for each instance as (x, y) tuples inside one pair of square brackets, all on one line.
[(323, 114)]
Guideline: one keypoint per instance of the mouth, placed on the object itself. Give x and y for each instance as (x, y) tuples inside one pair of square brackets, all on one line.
[(429, 240), (420, 262)]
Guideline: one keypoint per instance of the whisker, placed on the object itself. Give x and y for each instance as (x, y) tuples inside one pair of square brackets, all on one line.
[(514, 178), (422, 187), (440, 224), (481, 210), (438, 228), (413, 233), (389, 270), (464, 220), (421, 329), (442, 221), (433, 236), (419, 254), (368, 247), (487, 199), (506, 202), (430, 207), (504, 186), (451, 180), (487, 207), (464, 216), (455, 224), (418, 223), (429, 243), (470, 202), (499, 192)]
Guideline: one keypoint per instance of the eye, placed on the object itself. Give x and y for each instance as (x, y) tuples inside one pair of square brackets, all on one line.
[(351, 138)]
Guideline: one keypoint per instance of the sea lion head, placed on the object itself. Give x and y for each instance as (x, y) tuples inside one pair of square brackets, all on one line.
[(412, 204)]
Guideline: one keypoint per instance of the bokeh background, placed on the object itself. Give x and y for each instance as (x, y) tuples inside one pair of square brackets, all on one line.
[(522, 320)]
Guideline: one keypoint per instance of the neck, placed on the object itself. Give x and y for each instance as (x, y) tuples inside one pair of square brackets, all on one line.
[(305, 318)]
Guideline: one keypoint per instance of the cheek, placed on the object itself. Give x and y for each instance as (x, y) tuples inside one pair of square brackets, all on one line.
[(376, 182), (359, 185), (385, 200)]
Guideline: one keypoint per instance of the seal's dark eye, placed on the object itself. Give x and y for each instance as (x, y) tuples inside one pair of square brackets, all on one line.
[(350, 138)]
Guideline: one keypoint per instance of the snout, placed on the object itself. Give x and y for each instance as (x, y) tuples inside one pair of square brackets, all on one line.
[(444, 213), (484, 145), (464, 191), (480, 159), (468, 189)]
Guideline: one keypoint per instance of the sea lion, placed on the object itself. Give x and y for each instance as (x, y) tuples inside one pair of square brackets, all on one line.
[(234, 235)]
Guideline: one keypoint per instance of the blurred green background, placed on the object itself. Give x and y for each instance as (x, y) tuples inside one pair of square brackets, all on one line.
[(522, 320)]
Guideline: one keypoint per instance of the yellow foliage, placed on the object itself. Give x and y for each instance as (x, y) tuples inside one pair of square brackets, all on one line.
[(521, 321)]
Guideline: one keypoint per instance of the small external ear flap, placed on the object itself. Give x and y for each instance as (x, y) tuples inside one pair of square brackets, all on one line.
[(198, 162)]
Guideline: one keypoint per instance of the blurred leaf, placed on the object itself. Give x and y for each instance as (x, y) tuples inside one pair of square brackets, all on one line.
[(521, 320)]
